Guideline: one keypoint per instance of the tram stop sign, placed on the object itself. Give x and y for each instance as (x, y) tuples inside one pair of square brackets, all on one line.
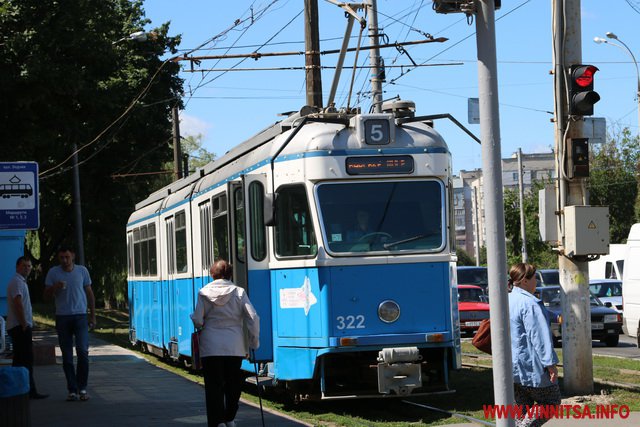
[(19, 196)]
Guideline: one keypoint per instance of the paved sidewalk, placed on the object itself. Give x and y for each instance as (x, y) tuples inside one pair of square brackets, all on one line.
[(126, 390)]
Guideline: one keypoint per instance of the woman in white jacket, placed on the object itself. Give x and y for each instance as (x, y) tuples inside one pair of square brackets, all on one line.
[(224, 312)]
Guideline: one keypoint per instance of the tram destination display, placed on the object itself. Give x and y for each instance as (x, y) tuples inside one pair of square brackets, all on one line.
[(370, 165)]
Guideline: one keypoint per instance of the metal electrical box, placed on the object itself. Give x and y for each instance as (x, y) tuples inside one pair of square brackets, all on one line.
[(586, 230), (547, 219)]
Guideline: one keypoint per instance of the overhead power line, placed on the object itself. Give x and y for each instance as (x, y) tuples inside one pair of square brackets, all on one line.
[(322, 67), (258, 55)]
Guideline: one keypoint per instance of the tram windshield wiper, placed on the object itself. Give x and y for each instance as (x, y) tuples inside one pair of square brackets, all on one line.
[(399, 242)]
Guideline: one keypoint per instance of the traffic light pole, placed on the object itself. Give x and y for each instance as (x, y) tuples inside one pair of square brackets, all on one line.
[(574, 276), (494, 206)]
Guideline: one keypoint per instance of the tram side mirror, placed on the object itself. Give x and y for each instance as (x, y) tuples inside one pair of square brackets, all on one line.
[(269, 209)]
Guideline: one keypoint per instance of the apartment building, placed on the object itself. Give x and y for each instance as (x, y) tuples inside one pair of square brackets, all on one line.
[(469, 196)]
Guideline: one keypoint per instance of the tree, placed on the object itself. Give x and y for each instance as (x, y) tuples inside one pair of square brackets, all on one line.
[(464, 258), (613, 182), (539, 253), (65, 82), (198, 156)]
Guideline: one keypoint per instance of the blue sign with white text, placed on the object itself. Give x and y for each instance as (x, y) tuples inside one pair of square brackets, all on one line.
[(19, 196)]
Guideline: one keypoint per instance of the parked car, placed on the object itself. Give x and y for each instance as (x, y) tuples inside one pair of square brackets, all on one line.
[(547, 277), (473, 306), (472, 275), (606, 323), (609, 291)]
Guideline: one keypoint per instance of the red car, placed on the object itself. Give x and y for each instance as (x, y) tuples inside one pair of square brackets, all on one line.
[(473, 307)]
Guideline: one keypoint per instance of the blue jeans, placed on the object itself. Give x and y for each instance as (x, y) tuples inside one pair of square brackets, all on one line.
[(68, 327)]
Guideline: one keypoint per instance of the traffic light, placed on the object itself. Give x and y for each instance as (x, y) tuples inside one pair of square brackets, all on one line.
[(582, 97), (456, 6)]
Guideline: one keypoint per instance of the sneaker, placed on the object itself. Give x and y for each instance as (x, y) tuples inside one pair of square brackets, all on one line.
[(72, 397), (83, 395)]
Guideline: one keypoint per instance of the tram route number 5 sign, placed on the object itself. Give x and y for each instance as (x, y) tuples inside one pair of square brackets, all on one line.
[(19, 196)]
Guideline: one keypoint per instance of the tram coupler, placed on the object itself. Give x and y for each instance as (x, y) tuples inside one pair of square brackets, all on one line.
[(399, 370)]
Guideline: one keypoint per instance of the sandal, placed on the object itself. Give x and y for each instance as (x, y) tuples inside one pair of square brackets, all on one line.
[(72, 397), (83, 395)]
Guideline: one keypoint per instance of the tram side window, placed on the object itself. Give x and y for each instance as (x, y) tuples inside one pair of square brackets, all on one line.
[(137, 255), (144, 251), (256, 219), (239, 224), (153, 254), (171, 266), (220, 228), (205, 235), (294, 228), (181, 242), (130, 253)]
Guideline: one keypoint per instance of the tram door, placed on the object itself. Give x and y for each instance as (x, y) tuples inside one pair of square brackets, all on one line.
[(170, 327), (251, 241), (238, 233)]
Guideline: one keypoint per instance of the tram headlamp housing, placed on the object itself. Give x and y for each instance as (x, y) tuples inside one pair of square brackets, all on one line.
[(388, 311)]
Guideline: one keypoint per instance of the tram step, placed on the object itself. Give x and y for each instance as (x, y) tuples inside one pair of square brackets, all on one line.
[(263, 381)]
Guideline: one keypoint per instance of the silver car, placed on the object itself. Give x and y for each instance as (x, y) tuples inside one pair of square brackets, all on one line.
[(609, 291)]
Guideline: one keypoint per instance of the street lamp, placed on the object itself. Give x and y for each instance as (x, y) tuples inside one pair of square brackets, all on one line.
[(138, 36), (624, 47)]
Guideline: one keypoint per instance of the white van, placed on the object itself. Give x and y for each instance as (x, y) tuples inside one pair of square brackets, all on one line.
[(631, 284), (609, 266)]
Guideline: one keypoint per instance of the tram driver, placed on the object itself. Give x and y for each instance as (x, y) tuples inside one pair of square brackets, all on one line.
[(362, 226)]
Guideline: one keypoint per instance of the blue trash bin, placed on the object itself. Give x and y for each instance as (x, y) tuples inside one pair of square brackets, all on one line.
[(14, 397)]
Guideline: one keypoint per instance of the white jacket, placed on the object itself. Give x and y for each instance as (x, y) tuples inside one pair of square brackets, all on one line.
[(225, 312)]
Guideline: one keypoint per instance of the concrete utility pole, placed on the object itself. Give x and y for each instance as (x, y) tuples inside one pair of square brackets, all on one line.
[(494, 206), (177, 151), (77, 207), (312, 54), (574, 275), (376, 69), (523, 231)]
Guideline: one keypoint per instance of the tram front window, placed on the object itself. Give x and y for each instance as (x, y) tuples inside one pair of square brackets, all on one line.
[(382, 216)]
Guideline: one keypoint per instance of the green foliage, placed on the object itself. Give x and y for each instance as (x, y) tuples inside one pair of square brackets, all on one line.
[(198, 156), (66, 83), (464, 258), (613, 181)]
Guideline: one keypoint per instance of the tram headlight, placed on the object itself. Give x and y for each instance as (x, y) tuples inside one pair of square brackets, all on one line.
[(388, 311)]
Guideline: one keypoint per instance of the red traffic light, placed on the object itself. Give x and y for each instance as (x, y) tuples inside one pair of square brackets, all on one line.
[(583, 75), (582, 97)]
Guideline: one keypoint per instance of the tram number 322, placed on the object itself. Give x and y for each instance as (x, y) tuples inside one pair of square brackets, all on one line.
[(350, 322)]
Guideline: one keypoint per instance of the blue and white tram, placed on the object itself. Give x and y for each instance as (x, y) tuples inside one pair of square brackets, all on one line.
[(346, 311)]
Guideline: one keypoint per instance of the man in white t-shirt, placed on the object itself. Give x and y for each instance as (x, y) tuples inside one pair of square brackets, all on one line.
[(20, 321)]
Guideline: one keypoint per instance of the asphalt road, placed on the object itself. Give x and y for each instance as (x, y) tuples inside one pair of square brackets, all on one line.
[(627, 348)]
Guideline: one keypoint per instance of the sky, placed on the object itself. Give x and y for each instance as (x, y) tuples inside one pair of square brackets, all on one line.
[(229, 107)]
